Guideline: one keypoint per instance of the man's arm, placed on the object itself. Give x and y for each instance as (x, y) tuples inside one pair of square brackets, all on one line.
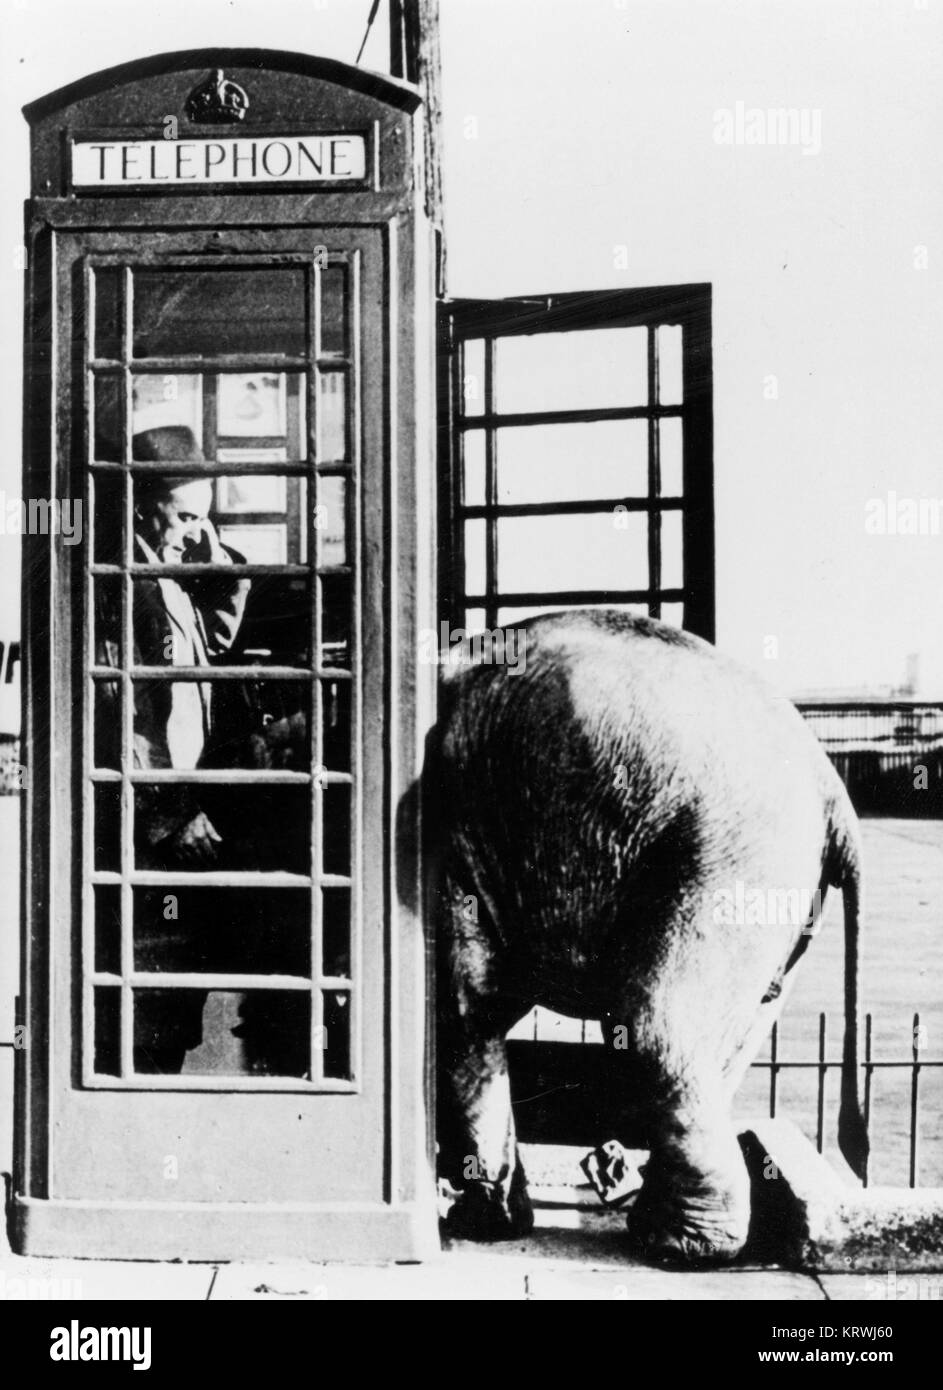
[(220, 602)]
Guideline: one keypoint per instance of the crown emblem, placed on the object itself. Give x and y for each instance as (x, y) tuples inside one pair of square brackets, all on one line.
[(217, 101)]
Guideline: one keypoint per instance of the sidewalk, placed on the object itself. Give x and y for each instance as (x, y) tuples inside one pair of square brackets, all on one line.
[(572, 1254)]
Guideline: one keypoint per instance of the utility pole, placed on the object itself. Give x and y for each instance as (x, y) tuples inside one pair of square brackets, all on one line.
[(415, 56)]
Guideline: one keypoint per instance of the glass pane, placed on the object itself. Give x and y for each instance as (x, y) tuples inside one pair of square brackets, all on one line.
[(109, 311), (671, 456), (242, 930), (107, 508), (673, 614), (672, 550), (106, 429), (330, 520), (107, 1030), (557, 463), (670, 387), (337, 1034), (167, 417), (222, 1033), (474, 619), (260, 416), (332, 417), (106, 714), (108, 929), (334, 309), (573, 552), (475, 538), (473, 383), (335, 729), (507, 617), (336, 818), (220, 724), (473, 447), (107, 589), (210, 827), (335, 620), (335, 930), (215, 311), (276, 628), (106, 827), (572, 371)]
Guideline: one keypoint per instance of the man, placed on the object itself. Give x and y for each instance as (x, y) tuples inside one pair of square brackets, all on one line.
[(176, 622)]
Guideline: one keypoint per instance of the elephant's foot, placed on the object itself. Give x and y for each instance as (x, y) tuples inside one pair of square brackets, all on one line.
[(691, 1220), (492, 1210)]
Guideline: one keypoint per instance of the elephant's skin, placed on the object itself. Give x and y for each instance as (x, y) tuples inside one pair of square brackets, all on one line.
[(589, 819)]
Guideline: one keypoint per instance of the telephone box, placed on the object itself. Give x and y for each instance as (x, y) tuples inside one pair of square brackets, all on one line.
[(230, 328)]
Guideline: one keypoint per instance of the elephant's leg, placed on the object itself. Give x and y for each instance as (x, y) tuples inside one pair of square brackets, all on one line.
[(694, 1203), (477, 1146)]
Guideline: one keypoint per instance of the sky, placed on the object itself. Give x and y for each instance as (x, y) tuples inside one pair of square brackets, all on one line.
[(593, 144)]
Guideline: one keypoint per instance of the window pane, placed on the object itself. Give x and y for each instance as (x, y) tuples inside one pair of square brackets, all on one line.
[(475, 557), (335, 930), (166, 401), (673, 614), (108, 929), (572, 371), (109, 311), (573, 552), (332, 417), (222, 1033), (473, 382), (334, 309), (507, 617), (331, 520), (260, 828), (336, 817), (670, 388), (107, 1030), (107, 605), (215, 311), (336, 1039), (557, 463), (336, 617), (474, 620), (107, 507), (473, 448), (223, 723), (276, 628), (260, 416), (106, 714), (242, 930), (672, 550), (335, 728), (106, 827), (106, 428), (671, 456)]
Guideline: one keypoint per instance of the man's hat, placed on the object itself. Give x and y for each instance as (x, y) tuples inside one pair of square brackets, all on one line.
[(167, 444)]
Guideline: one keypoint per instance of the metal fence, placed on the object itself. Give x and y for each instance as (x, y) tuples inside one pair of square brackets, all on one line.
[(571, 1092), (822, 1064)]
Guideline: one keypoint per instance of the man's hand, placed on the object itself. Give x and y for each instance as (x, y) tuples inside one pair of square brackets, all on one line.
[(208, 550), (196, 842)]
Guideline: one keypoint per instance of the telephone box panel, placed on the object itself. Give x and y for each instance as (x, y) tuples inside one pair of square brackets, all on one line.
[(229, 333)]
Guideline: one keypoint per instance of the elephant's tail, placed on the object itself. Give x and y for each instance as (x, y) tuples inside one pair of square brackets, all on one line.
[(845, 873)]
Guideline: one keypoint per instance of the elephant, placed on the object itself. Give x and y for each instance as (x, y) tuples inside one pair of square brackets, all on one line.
[(596, 816)]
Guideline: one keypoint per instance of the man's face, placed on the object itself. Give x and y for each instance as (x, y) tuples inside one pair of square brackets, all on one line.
[(172, 523)]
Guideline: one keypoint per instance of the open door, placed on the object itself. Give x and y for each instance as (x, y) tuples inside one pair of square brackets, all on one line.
[(576, 456)]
